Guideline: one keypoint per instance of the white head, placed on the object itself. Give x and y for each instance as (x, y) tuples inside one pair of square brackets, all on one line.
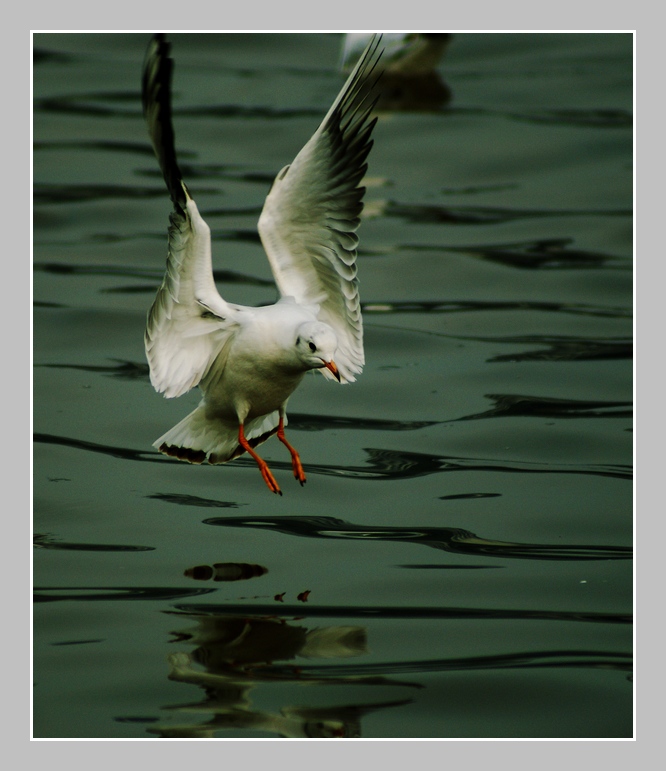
[(316, 345)]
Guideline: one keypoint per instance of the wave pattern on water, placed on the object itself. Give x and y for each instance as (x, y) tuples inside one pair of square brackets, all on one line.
[(534, 659), (541, 254), (154, 275), (112, 593), (453, 540), (565, 349), (580, 118), (514, 405), (44, 541), (384, 464), (485, 215), (423, 612)]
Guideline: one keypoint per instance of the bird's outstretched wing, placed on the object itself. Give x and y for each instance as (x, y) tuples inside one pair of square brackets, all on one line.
[(309, 221), (188, 323)]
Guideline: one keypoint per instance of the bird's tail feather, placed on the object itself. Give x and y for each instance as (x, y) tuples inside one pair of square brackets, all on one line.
[(198, 438)]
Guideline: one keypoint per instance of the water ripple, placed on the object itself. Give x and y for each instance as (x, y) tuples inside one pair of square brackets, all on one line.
[(448, 539), (154, 275), (565, 348), (514, 405), (542, 254), (194, 500), (111, 104), (410, 612), (381, 464), (43, 541), (433, 214), (124, 370), (63, 194), (527, 660), (579, 118), (113, 593)]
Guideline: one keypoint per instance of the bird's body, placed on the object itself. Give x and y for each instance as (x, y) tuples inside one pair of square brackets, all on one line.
[(259, 372), (248, 361)]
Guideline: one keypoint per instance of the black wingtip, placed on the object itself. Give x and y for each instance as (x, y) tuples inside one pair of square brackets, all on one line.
[(156, 99)]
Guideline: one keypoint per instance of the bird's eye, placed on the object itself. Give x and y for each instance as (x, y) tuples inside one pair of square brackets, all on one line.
[(313, 347), (298, 341)]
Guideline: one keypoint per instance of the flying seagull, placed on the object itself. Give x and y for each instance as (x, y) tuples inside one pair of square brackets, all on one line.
[(248, 361)]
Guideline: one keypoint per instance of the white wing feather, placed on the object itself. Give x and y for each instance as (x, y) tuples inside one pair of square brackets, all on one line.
[(188, 323), (310, 217)]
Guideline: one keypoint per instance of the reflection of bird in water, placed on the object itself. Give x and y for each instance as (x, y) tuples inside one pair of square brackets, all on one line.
[(226, 644), (410, 80), (234, 655), (229, 708), (248, 361)]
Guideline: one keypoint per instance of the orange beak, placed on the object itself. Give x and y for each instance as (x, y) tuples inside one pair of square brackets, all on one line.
[(330, 366)]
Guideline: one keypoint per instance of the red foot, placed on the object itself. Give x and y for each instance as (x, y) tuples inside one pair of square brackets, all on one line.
[(268, 477), (263, 466), (296, 464)]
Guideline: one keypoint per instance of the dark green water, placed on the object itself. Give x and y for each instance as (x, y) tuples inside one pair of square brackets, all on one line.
[(466, 531)]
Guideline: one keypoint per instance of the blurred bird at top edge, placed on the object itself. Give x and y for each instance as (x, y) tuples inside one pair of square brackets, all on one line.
[(410, 80)]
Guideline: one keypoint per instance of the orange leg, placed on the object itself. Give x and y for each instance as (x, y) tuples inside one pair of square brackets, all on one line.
[(295, 459), (263, 466)]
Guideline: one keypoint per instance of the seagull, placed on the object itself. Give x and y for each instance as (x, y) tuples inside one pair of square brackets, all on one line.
[(248, 361), (408, 53)]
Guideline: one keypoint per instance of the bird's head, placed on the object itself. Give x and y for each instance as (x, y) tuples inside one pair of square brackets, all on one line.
[(316, 345)]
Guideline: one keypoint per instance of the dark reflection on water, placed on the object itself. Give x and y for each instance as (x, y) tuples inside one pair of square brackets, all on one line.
[(64, 269), (89, 104), (620, 119), (417, 612), (59, 194), (140, 148), (44, 541), (220, 172), (592, 118), (124, 370), (112, 594), (576, 659), (467, 496), (483, 215), (234, 655), (543, 254), (107, 104), (451, 567), (225, 571), (566, 349), (448, 539), (154, 275), (75, 193), (232, 709), (193, 500), (383, 464), (246, 111), (392, 463), (114, 452), (302, 422), (514, 405)]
